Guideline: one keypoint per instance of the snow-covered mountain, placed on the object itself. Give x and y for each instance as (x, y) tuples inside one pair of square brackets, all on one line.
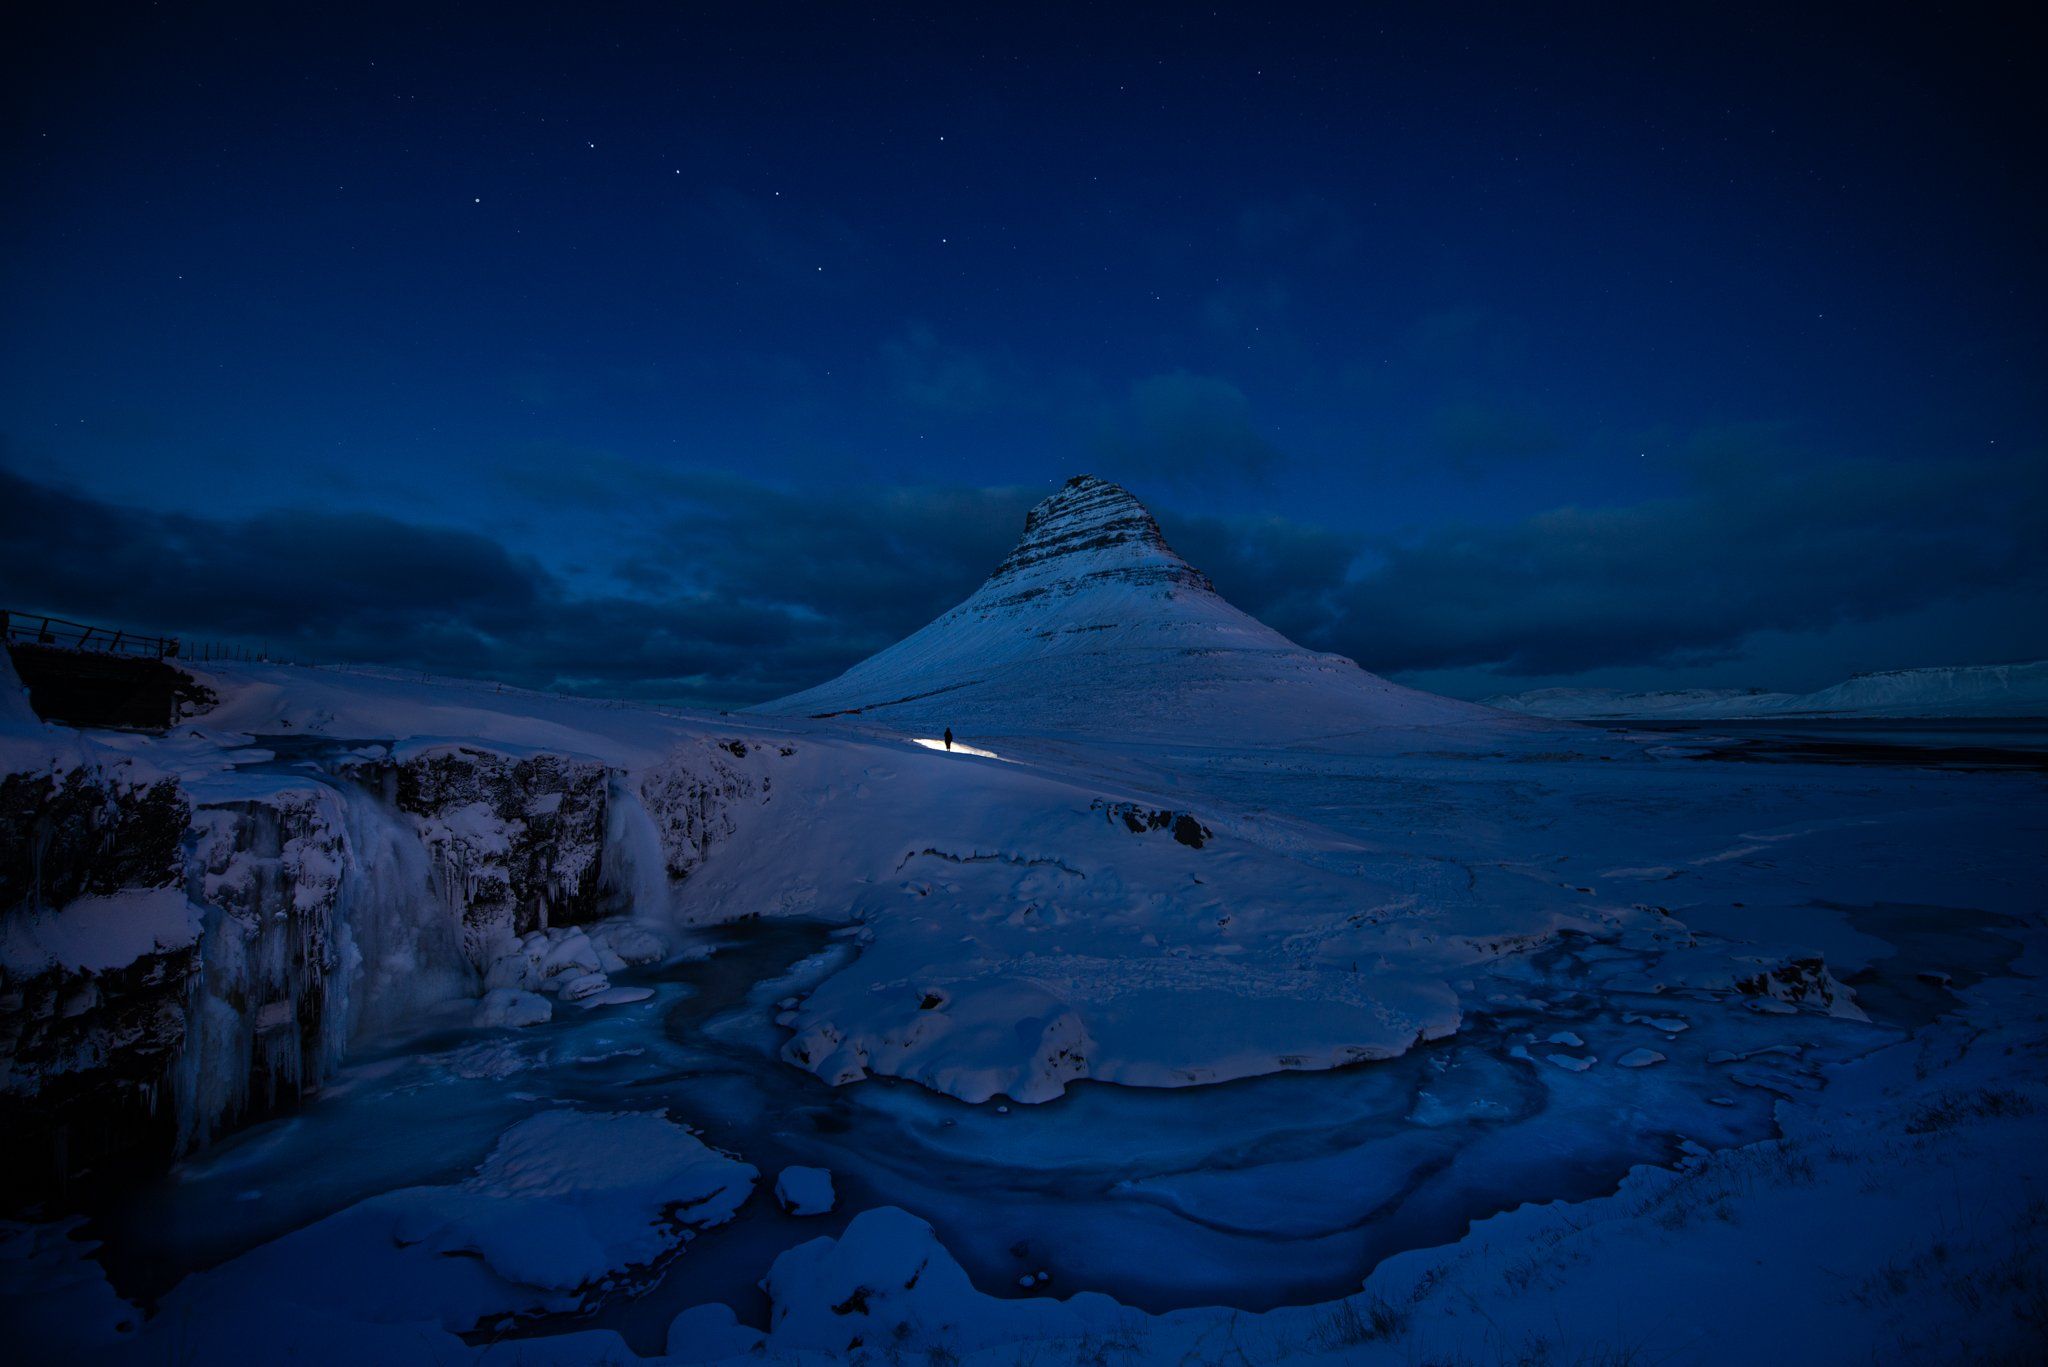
[(1604, 704), (1094, 627), (1963, 691), (1959, 691)]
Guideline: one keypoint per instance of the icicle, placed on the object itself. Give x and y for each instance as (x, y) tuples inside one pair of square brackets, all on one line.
[(633, 869)]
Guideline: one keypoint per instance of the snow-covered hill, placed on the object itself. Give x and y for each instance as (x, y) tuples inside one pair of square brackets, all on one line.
[(1093, 627), (1966, 691), (1602, 704), (1959, 691)]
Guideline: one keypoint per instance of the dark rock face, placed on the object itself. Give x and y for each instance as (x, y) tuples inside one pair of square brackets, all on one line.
[(86, 1056), (86, 829), (1138, 820), (90, 688), (90, 1059), (519, 842)]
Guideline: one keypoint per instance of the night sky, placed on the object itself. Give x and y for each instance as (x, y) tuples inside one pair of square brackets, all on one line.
[(694, 352)]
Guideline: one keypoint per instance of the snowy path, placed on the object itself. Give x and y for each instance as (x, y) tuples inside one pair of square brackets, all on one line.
[(953, 748)]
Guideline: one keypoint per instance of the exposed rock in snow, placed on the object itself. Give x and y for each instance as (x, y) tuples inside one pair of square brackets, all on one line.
[(805, 1191), (1137, 820)]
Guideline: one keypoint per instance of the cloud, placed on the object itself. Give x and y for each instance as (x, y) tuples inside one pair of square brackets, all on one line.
[(1753, 545), (750, 592), (731, 591), (1187, 429)]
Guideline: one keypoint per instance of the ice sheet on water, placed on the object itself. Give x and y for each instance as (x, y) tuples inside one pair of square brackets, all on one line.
[(564, 1201)]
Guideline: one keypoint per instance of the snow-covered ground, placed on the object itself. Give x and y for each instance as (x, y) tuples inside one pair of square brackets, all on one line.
[(1428, 1034)]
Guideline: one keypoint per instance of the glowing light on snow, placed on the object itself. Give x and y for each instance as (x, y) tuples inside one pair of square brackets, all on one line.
[(957, 748)]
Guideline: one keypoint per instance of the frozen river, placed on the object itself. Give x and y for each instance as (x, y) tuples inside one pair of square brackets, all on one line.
[(1283, 1189)]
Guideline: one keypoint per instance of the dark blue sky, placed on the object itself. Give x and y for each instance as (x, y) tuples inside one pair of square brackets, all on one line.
[(696, 351)]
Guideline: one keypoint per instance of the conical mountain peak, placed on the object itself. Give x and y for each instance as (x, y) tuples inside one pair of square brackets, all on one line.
[(1092, 529), (1094, 626)]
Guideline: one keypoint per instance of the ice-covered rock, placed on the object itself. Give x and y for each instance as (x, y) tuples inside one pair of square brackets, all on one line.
[(615, 996), (575, 988), (691, 796), (512, 1007), (805, 1191), (518, 843)]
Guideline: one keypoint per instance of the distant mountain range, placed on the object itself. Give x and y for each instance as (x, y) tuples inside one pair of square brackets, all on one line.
[(2019, 690)]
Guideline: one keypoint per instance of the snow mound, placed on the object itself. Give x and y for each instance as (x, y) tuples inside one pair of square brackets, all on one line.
[(99, 933), (805, 1191)]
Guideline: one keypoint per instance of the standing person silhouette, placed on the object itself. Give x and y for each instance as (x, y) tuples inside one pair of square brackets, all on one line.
[(949, 738)]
